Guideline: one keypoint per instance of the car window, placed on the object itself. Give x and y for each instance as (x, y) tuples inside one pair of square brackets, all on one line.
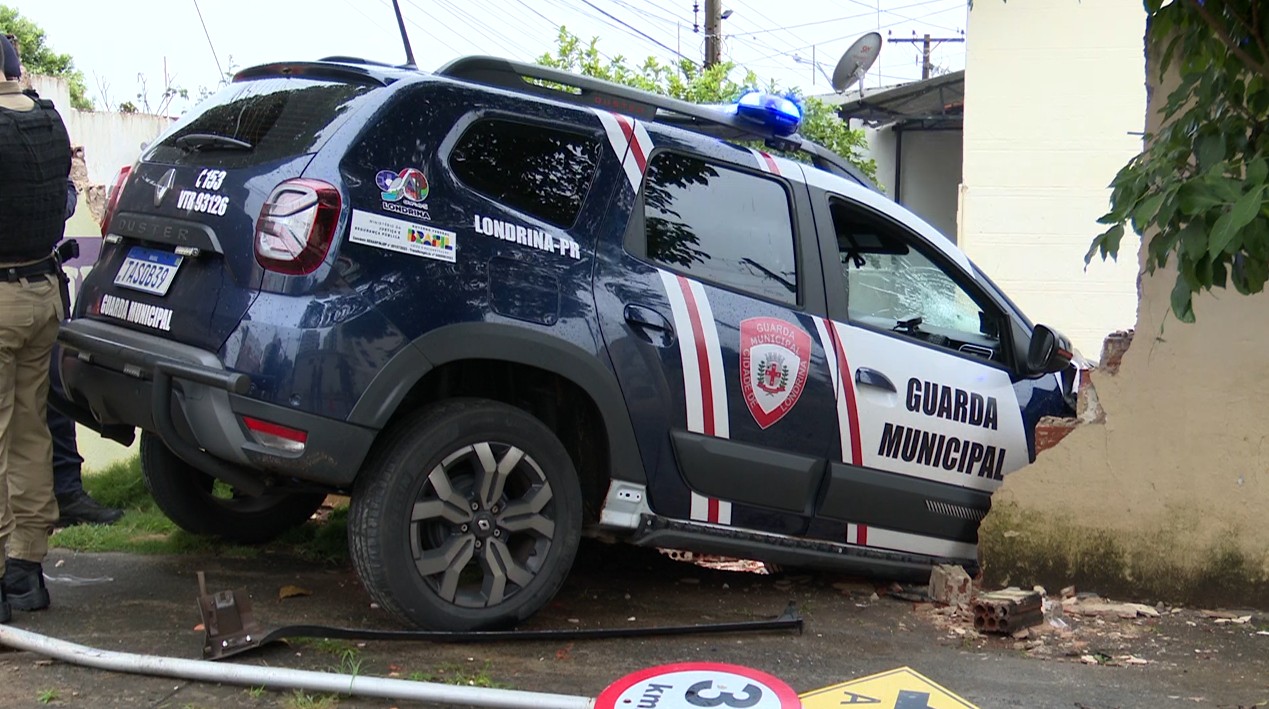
[(894, 281), (722, 225), (536, 170), (276, 118)]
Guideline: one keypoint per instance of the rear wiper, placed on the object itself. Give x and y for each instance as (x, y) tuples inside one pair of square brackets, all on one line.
[(211, 141)]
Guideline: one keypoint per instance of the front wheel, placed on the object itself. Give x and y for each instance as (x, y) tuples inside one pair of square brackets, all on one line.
[(200, 505), (467, 518)]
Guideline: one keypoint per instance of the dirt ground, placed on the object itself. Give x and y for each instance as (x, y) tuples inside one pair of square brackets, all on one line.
[(138, 604)]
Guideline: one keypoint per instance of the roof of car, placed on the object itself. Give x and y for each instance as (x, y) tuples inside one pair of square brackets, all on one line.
[(541, 81)]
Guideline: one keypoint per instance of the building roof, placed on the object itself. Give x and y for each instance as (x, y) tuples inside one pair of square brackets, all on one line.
[(934, 103)]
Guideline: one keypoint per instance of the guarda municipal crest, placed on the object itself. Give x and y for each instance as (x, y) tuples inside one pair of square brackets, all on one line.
[(774, 358)]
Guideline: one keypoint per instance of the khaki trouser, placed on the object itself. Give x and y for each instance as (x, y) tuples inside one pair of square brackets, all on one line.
[(30, 310)]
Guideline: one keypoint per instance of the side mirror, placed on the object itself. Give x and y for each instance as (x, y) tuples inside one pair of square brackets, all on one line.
[(1049, 351)]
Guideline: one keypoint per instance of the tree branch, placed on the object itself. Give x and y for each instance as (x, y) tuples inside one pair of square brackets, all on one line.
[(1230, 44)]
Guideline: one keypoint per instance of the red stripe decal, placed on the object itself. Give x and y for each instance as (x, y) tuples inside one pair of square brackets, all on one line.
[(627, 127), (702, 358), (848, 390), (713, 510), (861, 535), (771, 163)]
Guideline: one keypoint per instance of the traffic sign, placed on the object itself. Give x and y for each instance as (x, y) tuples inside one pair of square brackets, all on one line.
[(698, 685), (903, 688)]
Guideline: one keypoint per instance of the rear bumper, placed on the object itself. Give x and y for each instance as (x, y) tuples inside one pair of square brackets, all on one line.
[(187, 397)]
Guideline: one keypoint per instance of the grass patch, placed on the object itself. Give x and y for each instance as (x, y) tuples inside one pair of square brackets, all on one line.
[(144, 528), (457, 674), (46, 696), (301, 700)]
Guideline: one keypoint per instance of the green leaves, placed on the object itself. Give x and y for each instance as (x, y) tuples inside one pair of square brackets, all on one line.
[(1239, 216), (1197, 193)]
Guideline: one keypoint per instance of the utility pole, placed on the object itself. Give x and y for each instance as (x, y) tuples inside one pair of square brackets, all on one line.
[(713, 32), (927, 67)]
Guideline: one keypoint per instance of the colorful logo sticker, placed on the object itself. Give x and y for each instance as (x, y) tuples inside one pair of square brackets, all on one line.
[(431, 238), (409, 184), (774, 359)]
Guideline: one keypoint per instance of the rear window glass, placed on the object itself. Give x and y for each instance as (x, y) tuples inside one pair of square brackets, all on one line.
[(532, 169), (277, 117)]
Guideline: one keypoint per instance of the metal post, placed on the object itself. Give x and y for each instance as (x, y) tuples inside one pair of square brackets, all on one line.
[(713, 32), (925, 63)]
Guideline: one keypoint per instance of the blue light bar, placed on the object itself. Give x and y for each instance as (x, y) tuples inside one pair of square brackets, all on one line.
[(780, 114)]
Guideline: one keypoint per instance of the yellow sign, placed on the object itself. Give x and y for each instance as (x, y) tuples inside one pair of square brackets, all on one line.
[(903, 688)]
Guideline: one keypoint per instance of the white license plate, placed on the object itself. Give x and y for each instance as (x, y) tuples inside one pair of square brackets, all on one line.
[(148, 270)]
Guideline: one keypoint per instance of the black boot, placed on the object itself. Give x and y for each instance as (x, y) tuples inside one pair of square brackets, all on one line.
[(78, 508), (23, 585), (6, 613)]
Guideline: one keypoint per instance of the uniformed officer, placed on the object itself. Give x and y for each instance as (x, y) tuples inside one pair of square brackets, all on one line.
[(35, 161)]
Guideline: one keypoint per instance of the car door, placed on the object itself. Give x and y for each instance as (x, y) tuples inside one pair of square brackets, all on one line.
[(931, 421), (707, 304)]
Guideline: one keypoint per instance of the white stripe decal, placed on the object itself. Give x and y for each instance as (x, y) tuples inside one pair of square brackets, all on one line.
[(707, 509), (843, 416), (700, 366), (766, 162), (620, 145), (873, 537), (687, 352), (644, 140), (847, 416), (718, 375)]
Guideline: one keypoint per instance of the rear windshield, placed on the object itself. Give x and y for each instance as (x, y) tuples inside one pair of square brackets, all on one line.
[(277, 118)]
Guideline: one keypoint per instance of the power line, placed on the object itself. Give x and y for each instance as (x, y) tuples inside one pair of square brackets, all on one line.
[(843, 19), (906, 18), (622, 25), (220, 73)]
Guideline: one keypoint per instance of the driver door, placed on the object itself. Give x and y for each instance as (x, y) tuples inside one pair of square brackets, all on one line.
[(931, 413)]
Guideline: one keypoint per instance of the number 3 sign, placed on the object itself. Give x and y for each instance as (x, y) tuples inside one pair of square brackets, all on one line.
[(697, 685)]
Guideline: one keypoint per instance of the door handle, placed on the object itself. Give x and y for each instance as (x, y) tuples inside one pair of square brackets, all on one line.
[(650, 324), (872, 378)]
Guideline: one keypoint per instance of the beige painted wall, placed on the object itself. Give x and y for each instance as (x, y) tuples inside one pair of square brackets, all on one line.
[(1167, 498), (111, 140), (1054, 92)]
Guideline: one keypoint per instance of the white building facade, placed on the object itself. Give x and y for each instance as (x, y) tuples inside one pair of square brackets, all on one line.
[(1055, 97)]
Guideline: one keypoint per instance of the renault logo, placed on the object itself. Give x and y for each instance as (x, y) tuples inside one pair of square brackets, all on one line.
[(164, 184)]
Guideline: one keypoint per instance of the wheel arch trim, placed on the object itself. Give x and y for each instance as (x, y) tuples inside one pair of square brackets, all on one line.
[(517, 345)]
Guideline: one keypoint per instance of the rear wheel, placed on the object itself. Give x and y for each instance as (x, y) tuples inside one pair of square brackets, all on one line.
[(467, 518), (200, 504)]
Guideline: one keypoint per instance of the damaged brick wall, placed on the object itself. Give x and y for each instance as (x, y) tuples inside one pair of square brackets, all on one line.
[(1158, 492)]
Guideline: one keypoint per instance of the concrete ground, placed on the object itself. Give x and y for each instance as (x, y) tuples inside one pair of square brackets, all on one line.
[(147, 605)]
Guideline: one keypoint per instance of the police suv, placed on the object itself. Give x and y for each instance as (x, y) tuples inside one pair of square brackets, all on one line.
[(504, 307)]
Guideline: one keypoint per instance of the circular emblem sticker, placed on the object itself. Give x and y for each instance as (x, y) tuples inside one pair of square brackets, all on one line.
[(693, 685)]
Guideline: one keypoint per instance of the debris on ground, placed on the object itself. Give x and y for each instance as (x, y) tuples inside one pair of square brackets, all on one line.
[(1008, 611), (1077, 627), (951, 586)]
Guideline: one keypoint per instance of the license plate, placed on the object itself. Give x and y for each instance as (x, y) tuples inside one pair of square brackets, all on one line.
[(148, 270)]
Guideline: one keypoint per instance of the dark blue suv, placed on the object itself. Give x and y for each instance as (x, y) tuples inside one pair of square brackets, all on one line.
[(503, 307)]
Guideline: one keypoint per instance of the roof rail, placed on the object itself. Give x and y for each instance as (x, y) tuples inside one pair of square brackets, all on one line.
[(521, 77)]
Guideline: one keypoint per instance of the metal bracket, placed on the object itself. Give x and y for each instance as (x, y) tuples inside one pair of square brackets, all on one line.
[(228, 622)]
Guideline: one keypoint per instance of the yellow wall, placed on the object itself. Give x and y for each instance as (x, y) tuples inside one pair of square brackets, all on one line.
[(1054, 99), (1167, 498)]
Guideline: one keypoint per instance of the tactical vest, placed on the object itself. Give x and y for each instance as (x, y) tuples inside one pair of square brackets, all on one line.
[(35, 160)]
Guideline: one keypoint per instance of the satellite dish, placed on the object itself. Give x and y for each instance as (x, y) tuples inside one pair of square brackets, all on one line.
[(856, 61)]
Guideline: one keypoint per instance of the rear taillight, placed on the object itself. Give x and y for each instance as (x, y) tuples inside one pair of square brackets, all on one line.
[(275, 435), (112, 197), (296, 226)]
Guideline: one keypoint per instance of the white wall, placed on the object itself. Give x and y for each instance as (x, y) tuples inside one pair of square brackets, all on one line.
[(931, 172), (110, 140), (1054, 90)]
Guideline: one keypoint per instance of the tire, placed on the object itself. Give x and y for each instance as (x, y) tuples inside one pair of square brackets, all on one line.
[(188, 498), (427, 556)]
